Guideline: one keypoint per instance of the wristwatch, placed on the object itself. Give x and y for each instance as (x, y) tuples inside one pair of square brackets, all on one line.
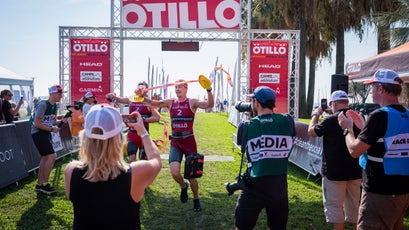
[(346, 131)]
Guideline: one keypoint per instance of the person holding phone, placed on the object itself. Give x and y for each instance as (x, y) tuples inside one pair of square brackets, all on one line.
[(341, 173), (149, 115), (7, 108), (104, 190)]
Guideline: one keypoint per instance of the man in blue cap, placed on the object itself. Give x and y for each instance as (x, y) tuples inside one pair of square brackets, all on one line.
[(268, 143)]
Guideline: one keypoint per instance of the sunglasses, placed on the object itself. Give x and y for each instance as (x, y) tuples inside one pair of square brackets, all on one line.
[(10, 95)]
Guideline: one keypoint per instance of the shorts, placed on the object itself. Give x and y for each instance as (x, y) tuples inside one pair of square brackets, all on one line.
[(382, 211), (132, 148), (180, 146), (43, 142), (269, 192), (341, 197)]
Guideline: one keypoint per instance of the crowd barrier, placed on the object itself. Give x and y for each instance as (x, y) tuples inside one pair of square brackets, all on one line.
[(18, 154), (307, 151)]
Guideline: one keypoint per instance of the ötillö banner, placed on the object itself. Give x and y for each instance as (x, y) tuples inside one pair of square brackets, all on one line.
[(269, 67), (181, 14), (90, 68)]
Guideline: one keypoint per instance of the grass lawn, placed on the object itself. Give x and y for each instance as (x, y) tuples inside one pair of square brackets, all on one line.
[(22, 208)]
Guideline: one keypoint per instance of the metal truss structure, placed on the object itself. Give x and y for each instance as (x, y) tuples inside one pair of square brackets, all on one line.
[(117, 34)]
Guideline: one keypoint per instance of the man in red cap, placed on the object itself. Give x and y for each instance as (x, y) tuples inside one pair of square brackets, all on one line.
[(44, 123)]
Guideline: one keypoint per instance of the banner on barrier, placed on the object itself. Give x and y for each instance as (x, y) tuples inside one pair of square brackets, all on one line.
[(12, 166), (307, 151)]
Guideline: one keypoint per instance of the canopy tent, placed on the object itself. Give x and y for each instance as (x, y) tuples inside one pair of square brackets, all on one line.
[(396, 59)]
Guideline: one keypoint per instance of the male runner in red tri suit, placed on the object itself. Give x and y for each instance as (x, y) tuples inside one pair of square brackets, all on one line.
[(182, 113)]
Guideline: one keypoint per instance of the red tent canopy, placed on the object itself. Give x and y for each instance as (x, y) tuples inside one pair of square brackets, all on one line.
[(396, 59)]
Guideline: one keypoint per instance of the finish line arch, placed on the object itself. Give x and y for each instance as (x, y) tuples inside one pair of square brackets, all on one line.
[(117, 34)]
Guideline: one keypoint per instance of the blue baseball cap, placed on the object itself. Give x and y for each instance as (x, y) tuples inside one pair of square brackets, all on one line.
[(263, 94)]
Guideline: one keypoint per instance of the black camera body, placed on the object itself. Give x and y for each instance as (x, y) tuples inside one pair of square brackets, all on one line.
[(244, 107), (242, 182), (78, 105)]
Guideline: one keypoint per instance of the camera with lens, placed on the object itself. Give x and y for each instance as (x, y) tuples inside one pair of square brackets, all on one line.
[(78, 105), (242, 182), (244, 107), (68, 114)]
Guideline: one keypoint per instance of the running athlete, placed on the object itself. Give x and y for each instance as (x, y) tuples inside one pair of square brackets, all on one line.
[(182, 114)]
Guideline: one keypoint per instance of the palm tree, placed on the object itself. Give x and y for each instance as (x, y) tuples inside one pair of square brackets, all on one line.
[(294, 14), (395, 17)]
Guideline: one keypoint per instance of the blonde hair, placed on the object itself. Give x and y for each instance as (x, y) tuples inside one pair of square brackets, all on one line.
[(104, 158)]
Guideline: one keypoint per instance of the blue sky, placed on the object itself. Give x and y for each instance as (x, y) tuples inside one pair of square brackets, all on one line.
[(29, 46)]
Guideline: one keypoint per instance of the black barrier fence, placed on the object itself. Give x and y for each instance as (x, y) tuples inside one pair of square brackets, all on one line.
[(12, 166), (18, 154)]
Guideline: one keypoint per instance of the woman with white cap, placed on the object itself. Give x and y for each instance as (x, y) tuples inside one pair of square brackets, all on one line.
[(105, 191)]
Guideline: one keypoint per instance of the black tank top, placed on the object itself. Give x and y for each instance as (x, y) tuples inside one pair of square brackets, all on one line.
[(103, 205)]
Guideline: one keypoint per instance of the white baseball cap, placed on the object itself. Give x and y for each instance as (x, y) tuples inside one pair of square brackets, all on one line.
[(105, 118), (386, 76), (338, 95)]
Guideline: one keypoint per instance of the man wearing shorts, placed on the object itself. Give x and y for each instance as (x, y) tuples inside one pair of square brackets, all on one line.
[(148, 114), (385, 187), (44, 123), (182, 113), (341, 173)]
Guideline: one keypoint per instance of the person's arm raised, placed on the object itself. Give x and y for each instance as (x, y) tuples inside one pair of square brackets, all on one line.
[(144, 172)]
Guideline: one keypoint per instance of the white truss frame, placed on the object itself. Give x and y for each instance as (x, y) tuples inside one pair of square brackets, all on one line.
[(117, 34)]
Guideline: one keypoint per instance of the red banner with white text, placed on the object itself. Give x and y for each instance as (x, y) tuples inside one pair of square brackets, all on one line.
[(181, 14), (90, 68), (269, 67)]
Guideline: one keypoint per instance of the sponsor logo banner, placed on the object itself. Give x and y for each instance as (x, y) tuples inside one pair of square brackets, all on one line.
[(269, 67), (307, 151), (90, 68), (181, 14)]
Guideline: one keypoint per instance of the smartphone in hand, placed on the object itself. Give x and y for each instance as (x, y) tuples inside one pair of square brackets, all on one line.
[(128, 118), (324, 104)]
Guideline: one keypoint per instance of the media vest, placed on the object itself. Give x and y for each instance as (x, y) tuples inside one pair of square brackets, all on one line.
[(269, 141)]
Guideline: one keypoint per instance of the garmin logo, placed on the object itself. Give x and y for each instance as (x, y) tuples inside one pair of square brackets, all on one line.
[(83, 90)]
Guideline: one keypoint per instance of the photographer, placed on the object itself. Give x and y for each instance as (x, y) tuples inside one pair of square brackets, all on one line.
[(88, 102), (267, 143), (341, 173)]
